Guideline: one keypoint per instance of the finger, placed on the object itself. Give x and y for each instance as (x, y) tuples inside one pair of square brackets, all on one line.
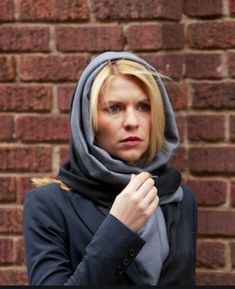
[(145, 188), (153, 205), (150, 196), (137, 181)]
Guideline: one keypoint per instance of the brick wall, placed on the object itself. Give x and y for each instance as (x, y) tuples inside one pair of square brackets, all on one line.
[(44, 46)]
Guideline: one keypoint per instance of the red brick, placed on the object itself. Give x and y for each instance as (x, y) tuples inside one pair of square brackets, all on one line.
[(179, 160), (211, 254), (232, 7), (231, 63), (155, 36), (233, 193), (23, 185), (6, 10), (232, 248), (206, 127), (212, 159), (42, 128), (134, 9), (13, 276), (63, 154), (7, 189), (216, 223), (7, 71), (52, 68), (6, 127), (178, 94), (10, 220), (208, 192), (215, 278), (64, 96), (20, 98), (232, 127), (211, 34), (215, 95), (19, 251), (23, 38), (204, 65), (170, 65), (203, 8), (89, 38), (26, 158), (6, 250), (53, 10)]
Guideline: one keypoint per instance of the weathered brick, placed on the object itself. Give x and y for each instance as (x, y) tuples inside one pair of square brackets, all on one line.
[(89, 38), (216, 223), (52, 68), (231, 63), (178, 94), (155, 36), (232, 193), (215, 95), (134, 9), (204, 65), (23, 185), (215, 278), (170, 65), (42, 128), (212, 159), (63, 154), (211, 34), (7, 71), (232, 127), (203, 8), (10, 220), (53, 10), (23, 38), (19, 251), (7, 189), (7, 10), (26, 158), (20, 98), (179, 160), (232, 7), (208, 192), (206, 127), (13, 276), (211, 254), (64, 96), (6, 127), (6, 250)]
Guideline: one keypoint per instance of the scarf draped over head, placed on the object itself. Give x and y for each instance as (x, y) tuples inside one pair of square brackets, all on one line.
[(90, 170)]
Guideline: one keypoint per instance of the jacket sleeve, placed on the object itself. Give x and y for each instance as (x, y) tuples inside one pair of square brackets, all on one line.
[(48, 257)]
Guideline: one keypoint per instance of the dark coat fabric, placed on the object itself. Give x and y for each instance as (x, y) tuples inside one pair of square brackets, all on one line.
[(69, 241)]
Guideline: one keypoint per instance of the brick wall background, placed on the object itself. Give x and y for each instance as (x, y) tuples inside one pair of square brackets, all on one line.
[(44, 46)]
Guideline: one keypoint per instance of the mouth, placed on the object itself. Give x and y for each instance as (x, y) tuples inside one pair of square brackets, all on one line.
[(131, 141)]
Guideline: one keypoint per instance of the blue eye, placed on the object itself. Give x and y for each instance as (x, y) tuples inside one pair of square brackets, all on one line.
[(144, 107), (114, 108)]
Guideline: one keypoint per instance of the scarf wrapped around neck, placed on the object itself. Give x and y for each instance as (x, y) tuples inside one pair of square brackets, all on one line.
[(90, 170)]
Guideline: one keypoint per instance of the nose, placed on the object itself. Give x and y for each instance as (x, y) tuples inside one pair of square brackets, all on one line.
[(131, 119)]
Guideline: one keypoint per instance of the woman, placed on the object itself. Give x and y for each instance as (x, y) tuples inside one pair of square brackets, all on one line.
[(116, 215)]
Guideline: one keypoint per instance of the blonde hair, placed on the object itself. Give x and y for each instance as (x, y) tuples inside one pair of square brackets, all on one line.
[(145, 78)]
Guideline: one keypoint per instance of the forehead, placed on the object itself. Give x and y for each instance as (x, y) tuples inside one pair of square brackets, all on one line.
[(123, 87)]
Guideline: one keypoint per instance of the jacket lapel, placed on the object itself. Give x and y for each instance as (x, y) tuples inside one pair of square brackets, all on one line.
[(92, 217)]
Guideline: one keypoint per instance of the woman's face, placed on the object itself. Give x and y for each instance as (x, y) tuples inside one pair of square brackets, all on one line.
[(124, 119)]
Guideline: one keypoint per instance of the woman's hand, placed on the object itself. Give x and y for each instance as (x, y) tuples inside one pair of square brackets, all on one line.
[(137, 202)]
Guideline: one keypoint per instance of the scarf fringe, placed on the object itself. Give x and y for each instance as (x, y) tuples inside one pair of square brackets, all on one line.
[(39, 182)]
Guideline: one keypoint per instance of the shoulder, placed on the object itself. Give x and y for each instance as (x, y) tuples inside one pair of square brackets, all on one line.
[(49, 196), (189, 204)]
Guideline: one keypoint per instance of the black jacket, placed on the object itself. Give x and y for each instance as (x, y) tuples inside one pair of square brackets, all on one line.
[(69, 241)]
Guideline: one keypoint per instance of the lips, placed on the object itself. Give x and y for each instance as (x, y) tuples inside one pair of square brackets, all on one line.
[(131, 142), (131, 138)]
